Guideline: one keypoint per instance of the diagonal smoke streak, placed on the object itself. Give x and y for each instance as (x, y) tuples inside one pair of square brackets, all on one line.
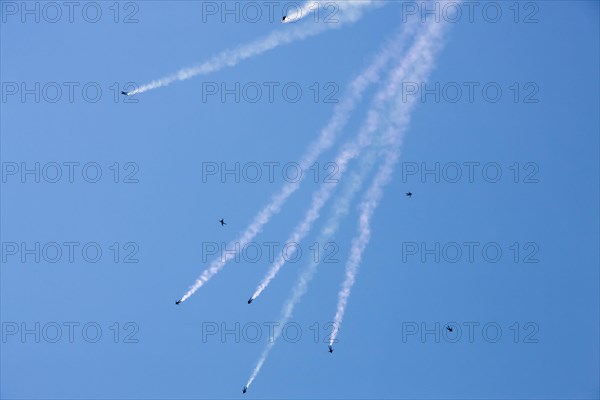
[(423, 54), (326, 138), (350, 11), (349, 151), (340, 209)]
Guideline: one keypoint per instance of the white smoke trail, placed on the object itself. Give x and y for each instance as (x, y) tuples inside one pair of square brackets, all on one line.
[(350, 13), (340, 209), (316, 7), (337, 122), (298, 13), (350, 151), (319, 199), (422, 54)]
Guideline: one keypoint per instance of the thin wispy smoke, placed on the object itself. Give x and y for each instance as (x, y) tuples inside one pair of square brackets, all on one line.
[(340, 209), (340, 117), (422, 60), (350, 12)]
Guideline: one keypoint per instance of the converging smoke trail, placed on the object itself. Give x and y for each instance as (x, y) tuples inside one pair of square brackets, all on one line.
[(340, 209), (350, 11), (326, 138), (350, 151), (384, 174), (422, 53)]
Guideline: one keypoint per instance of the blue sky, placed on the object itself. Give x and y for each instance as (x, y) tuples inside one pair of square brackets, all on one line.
[(171, 213)]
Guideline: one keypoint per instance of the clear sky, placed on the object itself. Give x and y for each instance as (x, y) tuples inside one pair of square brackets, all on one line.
[(525, 322)]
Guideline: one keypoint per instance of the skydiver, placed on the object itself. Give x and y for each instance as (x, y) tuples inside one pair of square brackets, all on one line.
[(449, 328), (283, 19), (330, 348), (409, 194), (250, 301), (178, 302), (124, 93), (222, 221), (245, 388)]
